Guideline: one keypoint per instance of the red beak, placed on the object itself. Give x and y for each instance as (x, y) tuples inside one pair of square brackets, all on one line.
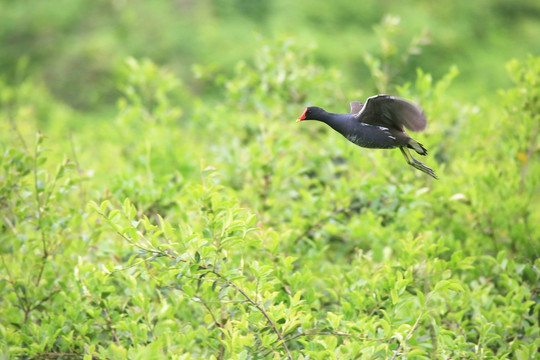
[(302, 117)]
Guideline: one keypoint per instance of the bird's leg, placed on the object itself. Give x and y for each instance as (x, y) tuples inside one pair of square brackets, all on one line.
[(417, 164)]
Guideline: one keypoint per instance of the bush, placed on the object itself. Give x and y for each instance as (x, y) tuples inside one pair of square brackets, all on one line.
[(226, 233)]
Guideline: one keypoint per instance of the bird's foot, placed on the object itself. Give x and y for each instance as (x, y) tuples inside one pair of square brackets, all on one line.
[(420, 166)]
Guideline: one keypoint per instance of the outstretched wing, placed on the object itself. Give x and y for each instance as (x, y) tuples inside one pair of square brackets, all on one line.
[(392, 112), (356, 106)]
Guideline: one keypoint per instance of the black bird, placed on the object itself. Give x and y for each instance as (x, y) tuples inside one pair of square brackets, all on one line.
[(378, 124)]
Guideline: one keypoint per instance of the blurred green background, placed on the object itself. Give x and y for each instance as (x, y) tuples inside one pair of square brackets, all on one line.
[(76, 45)]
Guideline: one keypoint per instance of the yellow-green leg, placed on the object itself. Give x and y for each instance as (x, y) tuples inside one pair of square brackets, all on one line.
[(417, 164)]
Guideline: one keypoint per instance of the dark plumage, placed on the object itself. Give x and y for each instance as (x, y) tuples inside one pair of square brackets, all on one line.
[(378, 124)]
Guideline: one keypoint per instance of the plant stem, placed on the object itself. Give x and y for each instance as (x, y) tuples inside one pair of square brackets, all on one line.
[(23, 304), (40, 213), (411, 332), (258, 307)]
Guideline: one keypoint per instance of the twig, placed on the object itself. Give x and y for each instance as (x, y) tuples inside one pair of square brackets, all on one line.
[(222, 335), (10, 224), (46, 298), (54, 355), (133, 265), (40, 214), (155, 252), (109, 322), (413, 329), (328, 333), (333, 333), (22, 301), (216, 322), (258, 307), (108, 317)]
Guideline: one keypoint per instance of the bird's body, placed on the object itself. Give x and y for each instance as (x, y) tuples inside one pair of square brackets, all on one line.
[(378, 124), (363, 134)]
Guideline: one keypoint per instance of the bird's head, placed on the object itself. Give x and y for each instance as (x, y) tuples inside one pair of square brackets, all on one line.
[(311, 113)]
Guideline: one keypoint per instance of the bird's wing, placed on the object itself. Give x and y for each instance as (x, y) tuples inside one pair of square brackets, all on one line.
[(356, 106), (392, 112)]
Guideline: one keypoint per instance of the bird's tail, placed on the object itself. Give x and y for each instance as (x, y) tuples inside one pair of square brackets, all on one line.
[(416, 146)]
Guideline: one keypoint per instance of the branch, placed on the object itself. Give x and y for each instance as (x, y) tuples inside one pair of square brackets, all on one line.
[(22, 301), (55, 355), (413, 329), (252, 302), (216, 322), (315, 332), (109, 322), (108, 317), (10, 224), (47, 298), (333, 333), (213, 271)]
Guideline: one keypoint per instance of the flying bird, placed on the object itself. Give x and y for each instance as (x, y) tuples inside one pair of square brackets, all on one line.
[(378, 124)]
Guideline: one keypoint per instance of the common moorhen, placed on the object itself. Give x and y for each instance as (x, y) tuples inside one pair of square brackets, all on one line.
[(378, 124)]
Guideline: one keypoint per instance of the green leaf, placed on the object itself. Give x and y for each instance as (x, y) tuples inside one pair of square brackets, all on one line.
[(334, 320), (189, 290), (394, 296), (114, 213), (103, 207), (444, 285)]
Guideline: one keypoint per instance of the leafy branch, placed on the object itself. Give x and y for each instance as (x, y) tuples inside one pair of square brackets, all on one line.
[(411, 332), (258, 307), (208, 269)]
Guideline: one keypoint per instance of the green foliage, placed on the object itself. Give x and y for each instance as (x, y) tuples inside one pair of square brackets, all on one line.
[(227, 231), (280, 76)]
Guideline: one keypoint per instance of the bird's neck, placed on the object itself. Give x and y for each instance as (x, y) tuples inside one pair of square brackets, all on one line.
[(338, 122)]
